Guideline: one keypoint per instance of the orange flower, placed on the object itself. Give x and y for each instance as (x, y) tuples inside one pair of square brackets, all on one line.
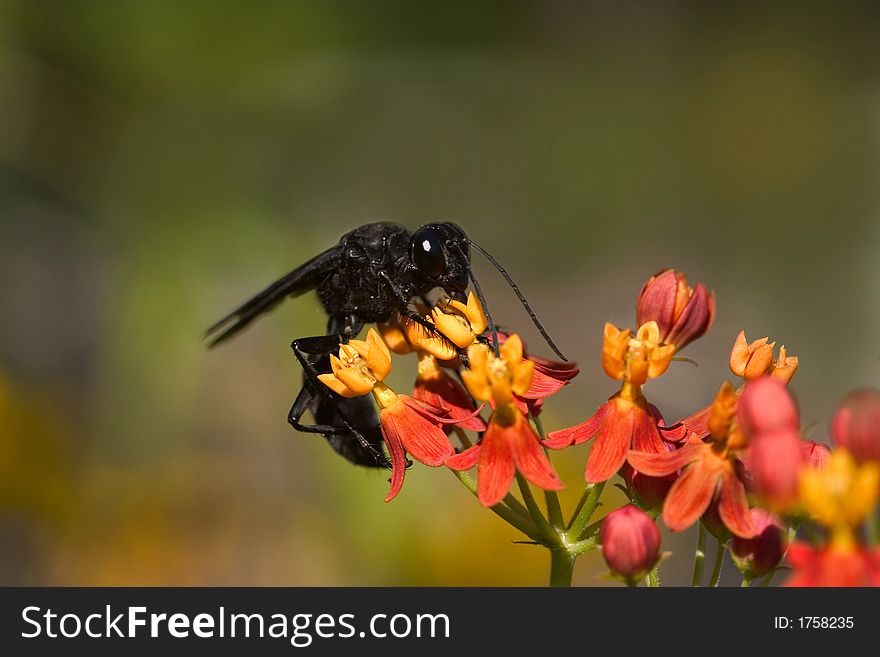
[(408, 425), (710, 470), (754, 360), (510, 443), (627, 419)]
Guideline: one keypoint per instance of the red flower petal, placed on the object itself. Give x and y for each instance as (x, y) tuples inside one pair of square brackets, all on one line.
[(690, 495), (646, 437), (579, 433), (661, 465), (496, 467), (421, 436), (734, 508), (697, 423), (613, 439), (549, 377), (529, 457), (464, 460), (398, 463), (446, 393)]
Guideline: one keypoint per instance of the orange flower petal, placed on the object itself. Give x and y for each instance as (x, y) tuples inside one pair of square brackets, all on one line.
[(530, 458), (495, 467), (613, 439), (734, 508), (577, 434), (664, 464), (464, 460), (690, 495)]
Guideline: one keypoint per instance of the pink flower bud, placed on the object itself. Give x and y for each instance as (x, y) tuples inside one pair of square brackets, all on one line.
[(682, 313), (856, 424), (816, 455), (758, 556), (774, 461), (630, 542), (766, 407), (648, 492)]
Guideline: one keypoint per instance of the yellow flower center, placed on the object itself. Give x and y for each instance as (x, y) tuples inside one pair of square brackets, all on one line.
[(635, 359), (498, 379), (842, 494)]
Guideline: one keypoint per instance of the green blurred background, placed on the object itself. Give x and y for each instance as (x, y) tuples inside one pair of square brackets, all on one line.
[(161, 161)]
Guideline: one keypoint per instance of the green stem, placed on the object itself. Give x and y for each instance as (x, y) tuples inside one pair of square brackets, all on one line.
[(716, 569), (561, 566), (550, 535), (586, 508), (507, 514), (746, 583), (699, 557), (653, 578), (577, 549), (551, 499)]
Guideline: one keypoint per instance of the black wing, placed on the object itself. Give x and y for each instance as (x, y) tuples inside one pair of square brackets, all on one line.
[(302, 279)]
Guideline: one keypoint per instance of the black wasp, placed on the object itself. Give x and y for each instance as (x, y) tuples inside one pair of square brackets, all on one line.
[(374, 270)]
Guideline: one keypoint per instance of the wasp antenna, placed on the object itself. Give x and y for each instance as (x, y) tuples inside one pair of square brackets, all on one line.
[(483, 301), (519, 295)]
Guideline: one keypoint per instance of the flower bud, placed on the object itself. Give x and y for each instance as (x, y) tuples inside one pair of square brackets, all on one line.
[(630, 542), (816, 455), (758, 556), (752, 360), (682, 313), (766, 407), (713, 523), (856, 424), (647, 492), (774, 462)]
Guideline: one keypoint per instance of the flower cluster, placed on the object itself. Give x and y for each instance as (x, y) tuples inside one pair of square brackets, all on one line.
[(738, 468)]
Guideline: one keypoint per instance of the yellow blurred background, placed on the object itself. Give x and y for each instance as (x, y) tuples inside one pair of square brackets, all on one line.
[(161, 161)]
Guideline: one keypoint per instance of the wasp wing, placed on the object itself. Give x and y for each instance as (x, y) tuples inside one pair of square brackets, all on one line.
[(302, 279)]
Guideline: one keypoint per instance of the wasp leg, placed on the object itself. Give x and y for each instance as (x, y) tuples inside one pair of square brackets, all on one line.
[(321, 345), (300, 406)]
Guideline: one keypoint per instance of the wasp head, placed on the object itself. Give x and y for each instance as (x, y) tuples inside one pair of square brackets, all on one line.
[(440, 253)]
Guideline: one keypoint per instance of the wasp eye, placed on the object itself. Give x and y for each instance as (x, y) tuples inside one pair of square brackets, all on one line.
[(427, 254)]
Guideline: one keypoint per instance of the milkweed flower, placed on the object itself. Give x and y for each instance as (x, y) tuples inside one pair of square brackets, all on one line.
[(839, 497), (768, 415), (752, 360), (856, 424), (458, 325), (548, 378), (626, 419), (709, 470), (433, 384), (409, 426), (759, 555), (509, 443), (682, 313), (630, 543), (836, 564)]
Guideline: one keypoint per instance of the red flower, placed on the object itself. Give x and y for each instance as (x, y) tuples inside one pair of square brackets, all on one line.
[(647, 492), (510, 443), (706, 474), (833, 565), (856, 424), (411, 426), (548, 378), (682, 313), (630, 542), (434, 386), (618, 425), (759, 555), (709, 471)]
